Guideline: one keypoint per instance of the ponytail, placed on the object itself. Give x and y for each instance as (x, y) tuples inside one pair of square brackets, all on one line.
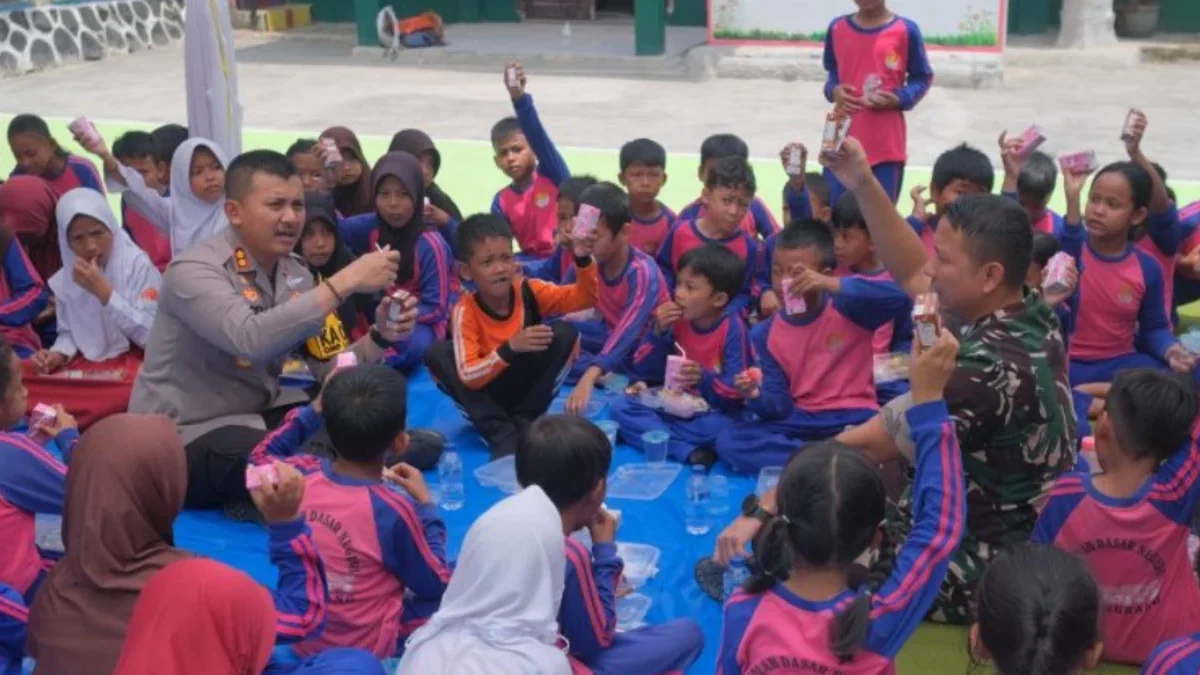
[(772, 555), (850, 627)]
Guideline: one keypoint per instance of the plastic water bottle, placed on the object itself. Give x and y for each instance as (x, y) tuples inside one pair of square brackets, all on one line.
[(696, 516), (718, 489), (735, 575), (450, 478)]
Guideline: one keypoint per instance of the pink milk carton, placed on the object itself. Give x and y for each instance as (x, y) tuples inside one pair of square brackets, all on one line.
[(1129, 130), (586, 221), (793, 304), (1056, 281), (333, 155), (1031, 140), (671, 377), (345, 360), (399, 297), (795, 161), (83, 129), (258, 475), (1079, 162), (511, 79), (872, 85), (927, 319), (41, 415)]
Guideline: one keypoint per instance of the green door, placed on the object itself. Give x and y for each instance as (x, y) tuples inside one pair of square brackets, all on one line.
[(689, 13)]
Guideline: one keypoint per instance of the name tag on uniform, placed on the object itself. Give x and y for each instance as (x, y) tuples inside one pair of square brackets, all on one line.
[(293, 282)]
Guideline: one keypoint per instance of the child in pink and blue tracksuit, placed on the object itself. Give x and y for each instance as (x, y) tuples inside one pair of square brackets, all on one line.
[(1176, 657), (757, 221), (816, 364), (14, 624), (643, 164), (877, 70), (631, 287), (559, 267), (425, 259), (1130, 524), (830, 501), (39, 154), (568, 457), (715, 342), (1119, 317), (728, 190), (384, 550), (1031, 181), (959, 171), (1187, 272), (525, 153)]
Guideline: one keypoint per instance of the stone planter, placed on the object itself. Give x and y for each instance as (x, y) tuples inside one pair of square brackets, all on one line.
[(1137, 19)]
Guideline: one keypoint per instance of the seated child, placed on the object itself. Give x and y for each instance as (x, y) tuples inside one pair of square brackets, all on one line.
[(816, 363), (800, 606), (728, 190), (856, 256), (525, 153), (440, 210), (24, 298), (1131, 523), (631, 287), (958, 171), (1045, 247), (352, 193), (502, 365), (14, 625), (38, 154), (1031, 181), (105, 298), (313, 175), (643, 165), (384, 550), (757, 220), (1187, 260), (1163, 232), (1118, 312), (167, 138), (322, 248), (399, 223), (559, 268), (1038, 612), (569, 458), (805, 196), (27, 215), (715, 342), (136, 150), (33, 480)]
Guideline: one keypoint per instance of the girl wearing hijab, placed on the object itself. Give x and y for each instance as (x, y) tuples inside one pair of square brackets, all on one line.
[(440, 211), (106, 296), (26, 205), (399, 191), (499, 615), (194, 208), (38, 154), (27, 210), (126, 486), (200, 616), (352, 193), (322, 248)]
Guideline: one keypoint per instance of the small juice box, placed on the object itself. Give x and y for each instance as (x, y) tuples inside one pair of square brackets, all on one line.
[(1079, 162), (795, 161), (83, 128), (837, 126), (927, 319), (1031, 140), (671, 377), (1056, 274), (345, 360), (399, 296), (1128, 129), (258, 475), (586, 221), (511, 79), (41, 414), (792, 303), (333, 156), (872, 85)]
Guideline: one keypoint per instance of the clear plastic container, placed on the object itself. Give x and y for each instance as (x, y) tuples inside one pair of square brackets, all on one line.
[(632, 610), (610, 429), (500, 474), (696, 519), (768, 478), (643, 482), (654, 445), (641, 562)]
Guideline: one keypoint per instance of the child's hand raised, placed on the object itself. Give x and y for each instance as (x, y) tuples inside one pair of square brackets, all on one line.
[(532, 339), (785, 156), (407, 477), (805, 280), (1010, 154), (514, 80), (1134, 133), (849, 164), (932, 367), (920, 206), (1073, 182), (92, 142), (280, 502)]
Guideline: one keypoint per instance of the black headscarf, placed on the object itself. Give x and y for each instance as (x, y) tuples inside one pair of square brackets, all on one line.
[(355, 198), (319, 208), (407, 170), (416, 143)]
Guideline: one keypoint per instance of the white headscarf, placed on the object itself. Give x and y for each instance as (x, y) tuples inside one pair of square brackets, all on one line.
[(128, 270), (192, 218), (500, 612)]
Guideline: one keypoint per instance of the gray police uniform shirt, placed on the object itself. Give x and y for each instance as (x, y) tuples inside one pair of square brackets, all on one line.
[(224, 328)]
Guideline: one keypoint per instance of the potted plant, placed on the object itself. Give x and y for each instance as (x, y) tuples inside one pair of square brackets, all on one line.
[(1137, 18)]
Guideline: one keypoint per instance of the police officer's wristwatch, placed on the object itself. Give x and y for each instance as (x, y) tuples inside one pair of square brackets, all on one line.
[(752, 508)]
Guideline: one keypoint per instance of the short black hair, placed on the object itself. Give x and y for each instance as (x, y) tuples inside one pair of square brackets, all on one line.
[(477, 228), (847, 215), (301, 146), (365, 409), (643, 152), (573, 187), (817, 186), (1038, 177), (612, 202), (963, 163), (169, 137), (720, 146), (566, 456), (1044, 248), (1152, 412), (723, 269), (808, 233), (995, 229), (26, 123), (732, 172), (240, 173), (504, 129), (135, 145), (1141, 185)]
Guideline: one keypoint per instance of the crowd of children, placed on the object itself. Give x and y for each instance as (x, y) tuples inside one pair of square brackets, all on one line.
[(744, 341)]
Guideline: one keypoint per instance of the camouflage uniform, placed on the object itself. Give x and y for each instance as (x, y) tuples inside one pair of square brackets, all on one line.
[(1011, 401)]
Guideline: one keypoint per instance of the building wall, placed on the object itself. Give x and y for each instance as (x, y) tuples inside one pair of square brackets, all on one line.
[(1034, 17), (687, 12)]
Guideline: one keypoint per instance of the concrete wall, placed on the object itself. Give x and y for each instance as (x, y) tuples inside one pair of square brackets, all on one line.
[(37, 37)]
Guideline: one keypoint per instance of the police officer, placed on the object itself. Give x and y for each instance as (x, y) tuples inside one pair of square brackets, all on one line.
[(231, 308)]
